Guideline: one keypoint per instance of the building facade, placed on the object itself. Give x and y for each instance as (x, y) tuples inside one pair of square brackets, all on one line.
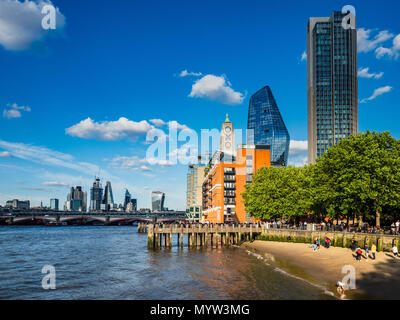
[(76, 200), (265, 126), (130, 205), (54, 204), (108, 199), (332, 83), (194, 185), (225, 181), (157, 201), (96, 195), (227, 139), (18, 204)]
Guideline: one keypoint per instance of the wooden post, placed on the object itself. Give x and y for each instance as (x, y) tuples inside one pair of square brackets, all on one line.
[(150, 238), (251, 232), (379, 247)]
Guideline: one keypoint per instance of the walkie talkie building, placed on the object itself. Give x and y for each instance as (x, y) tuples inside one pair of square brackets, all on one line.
[(265, 126)]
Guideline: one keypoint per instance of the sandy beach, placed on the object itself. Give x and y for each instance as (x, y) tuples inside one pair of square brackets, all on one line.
[(375, 279)]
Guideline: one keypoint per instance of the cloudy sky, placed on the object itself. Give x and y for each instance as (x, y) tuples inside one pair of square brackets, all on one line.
[(79, 100)]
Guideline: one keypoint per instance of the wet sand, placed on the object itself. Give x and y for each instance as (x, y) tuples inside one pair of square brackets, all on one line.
[(375, 279)]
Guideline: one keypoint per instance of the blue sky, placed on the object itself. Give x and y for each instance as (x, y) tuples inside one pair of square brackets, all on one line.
[(113, 59)]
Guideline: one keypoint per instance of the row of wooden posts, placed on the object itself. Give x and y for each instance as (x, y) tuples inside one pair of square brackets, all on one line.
[(198, 235)]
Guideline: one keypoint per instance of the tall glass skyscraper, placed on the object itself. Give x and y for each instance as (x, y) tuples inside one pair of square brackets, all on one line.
[(96, 195), (157, 201), (332, 83), (265, 126), (108, 199)]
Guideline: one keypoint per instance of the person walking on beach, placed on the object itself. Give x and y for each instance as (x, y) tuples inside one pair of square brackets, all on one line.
[(373, 251), (359, 254), (366, 251), (397, 226)]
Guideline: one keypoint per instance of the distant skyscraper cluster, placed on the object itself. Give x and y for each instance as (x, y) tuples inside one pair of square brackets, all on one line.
[(332, 83), (76, 200), (130, 205)]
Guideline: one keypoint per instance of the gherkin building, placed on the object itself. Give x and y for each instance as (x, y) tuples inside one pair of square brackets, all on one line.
[(265, 126)]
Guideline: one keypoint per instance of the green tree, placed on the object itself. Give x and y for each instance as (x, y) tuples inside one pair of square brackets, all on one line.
[(360, 173), (279, 192)]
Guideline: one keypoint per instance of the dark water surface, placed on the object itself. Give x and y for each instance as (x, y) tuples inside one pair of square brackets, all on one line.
[(114, 263)]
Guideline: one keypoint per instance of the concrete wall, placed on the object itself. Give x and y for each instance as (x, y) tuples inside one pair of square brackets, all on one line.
[(338, 239)]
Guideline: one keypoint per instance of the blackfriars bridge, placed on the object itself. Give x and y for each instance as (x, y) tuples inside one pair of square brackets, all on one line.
[(79, 218)]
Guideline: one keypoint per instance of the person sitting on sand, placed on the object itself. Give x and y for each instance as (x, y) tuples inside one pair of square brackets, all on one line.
[(373, 251), (358, 253), (327, 243), (395, 251), (340, 289)]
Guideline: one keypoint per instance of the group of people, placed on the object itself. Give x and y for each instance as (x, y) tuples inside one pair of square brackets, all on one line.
[(317, 243), (395, 226), (359, 253)]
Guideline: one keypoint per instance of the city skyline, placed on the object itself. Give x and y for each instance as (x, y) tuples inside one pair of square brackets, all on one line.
[(98, 106)]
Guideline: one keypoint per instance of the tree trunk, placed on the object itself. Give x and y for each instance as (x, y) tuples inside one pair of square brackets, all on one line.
[(378, 219)]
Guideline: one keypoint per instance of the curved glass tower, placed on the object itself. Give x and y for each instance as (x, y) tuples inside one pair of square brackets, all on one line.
[(265, 126)]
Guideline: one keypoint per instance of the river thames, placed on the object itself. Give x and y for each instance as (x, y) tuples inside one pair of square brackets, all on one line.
[(95, 262)]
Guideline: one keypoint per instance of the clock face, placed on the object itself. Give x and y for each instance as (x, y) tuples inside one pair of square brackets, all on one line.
[(228, 129)]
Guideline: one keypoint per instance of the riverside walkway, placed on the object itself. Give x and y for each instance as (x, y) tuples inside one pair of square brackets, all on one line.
[(198, 235)]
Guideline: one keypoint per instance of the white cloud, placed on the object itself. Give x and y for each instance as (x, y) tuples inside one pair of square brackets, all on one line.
[(137, 164), (47, 157), (186, 73), (158, 122), (123, 128), (21, 23), (303, 56), (217, 89), (11, 114), (13, 111), (171, 124), (396, 45), (109, 130), (5, 154), (390, 52), (176, 125), (377, 92), (364, 73), (381, 52), (366, 43), (298, 153), (55, 184)]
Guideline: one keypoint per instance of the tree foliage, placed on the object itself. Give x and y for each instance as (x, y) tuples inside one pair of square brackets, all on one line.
[(360, 176)]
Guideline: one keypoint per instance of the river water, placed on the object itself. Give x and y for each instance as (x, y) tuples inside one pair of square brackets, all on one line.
[(97, 262)]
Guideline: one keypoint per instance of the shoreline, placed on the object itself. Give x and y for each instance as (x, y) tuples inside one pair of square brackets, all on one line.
[(375, 279)]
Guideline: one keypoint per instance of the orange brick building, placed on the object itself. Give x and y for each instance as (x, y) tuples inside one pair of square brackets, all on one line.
[(225, 181)]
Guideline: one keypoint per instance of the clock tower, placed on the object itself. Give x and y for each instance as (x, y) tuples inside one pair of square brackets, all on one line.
[(227, 140)]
